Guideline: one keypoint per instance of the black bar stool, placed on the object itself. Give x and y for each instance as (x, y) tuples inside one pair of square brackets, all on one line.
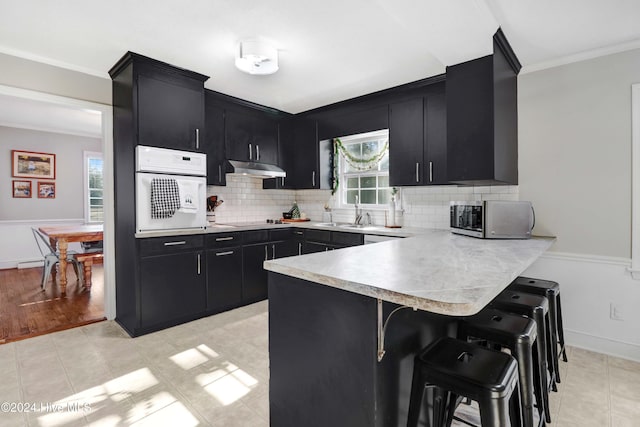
[(551, 290), (535, 307), (456, 368), (517, 333)]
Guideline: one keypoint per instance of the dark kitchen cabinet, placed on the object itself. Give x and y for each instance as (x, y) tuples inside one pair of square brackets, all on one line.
[(214, 144), (254, 282), (170, 115), (172, 288), (298, 155), (160, 105), (251, 135), (325, 240), (275, 244), (417, 139), (350, 120), (482, 118), (224, 278)]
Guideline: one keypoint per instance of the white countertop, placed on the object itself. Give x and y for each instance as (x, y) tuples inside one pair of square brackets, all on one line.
[(434, 271)]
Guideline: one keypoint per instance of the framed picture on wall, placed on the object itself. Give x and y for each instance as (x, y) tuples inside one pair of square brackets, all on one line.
[(27, 164), (21, 189), (46, 190)]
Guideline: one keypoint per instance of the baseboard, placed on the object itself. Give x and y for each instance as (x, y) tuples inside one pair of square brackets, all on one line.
[(5, 265), (603, 345)]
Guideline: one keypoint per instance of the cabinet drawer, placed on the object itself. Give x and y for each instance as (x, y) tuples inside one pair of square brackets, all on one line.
[(347, 239), (223, 240), (160, 245), (281, 234), (255, 236), (297, 233), (318, 235)]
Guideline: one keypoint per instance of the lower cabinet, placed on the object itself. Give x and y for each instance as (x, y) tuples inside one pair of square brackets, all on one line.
[(172, 288), (224, 279), (254, 283)]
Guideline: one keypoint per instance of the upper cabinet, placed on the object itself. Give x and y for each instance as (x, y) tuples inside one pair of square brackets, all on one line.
[(352, 119), (251, 135), (214, 144), (167, 102), (482, 118), (418, 139), (298, 155)]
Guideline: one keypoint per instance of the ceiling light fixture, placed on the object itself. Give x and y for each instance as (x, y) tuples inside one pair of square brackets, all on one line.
[(255, 57)]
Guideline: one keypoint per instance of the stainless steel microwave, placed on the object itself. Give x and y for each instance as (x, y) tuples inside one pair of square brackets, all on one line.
[(493, 219)]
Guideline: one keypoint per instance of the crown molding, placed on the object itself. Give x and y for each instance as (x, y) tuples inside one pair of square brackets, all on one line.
[(53, 62)]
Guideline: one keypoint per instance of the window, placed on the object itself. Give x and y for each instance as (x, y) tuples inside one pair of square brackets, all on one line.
[(365, 173), (94, 187)]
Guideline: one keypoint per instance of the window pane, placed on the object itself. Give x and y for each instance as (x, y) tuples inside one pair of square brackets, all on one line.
[(352, 182), (368, 182), (351, 196), (383, 196), (383, 181), (95, 202), (369, 149), (348, 168), (368, 197), (95, 193), (384, 163), (354, 149)]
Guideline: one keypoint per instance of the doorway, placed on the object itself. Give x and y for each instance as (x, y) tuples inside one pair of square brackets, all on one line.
[(16, 229)]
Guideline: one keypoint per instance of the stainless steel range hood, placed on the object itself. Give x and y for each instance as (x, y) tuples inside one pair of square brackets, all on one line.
[(258, 170)]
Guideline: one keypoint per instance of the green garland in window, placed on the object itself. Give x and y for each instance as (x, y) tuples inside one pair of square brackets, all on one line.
[(355, 162)]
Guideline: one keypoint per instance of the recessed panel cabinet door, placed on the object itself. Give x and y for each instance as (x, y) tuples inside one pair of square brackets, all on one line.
[(251, 136), (224, 278), (406, 143), (169, 115), (172, 287), (254, 284)]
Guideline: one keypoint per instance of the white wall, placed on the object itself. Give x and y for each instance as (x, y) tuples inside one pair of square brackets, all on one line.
[(575, 166), (68, 202), (26, 74), (18, 215)]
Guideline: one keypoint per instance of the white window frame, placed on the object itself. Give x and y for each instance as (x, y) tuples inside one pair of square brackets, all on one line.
[(87, 209), (635, 181), (342, 189)]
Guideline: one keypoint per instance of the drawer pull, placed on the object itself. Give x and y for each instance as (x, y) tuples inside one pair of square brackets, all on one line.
[(198, 264), (222, 239), (181, 242), (224, 253), (298, 232)]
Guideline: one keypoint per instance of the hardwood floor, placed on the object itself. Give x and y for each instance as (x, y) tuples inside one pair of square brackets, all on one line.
[(26, 310)]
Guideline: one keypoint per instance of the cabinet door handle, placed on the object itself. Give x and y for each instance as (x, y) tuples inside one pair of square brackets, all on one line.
[(299, 248), (222, 239), (219, 173), (182, 242), (250, 152), (197, 139), (298, 232), (224, 253), (273, 249), (282, 183), (417, 172), (198, 264), (257, 153), (430, 171), (266, 253), (313, 178)]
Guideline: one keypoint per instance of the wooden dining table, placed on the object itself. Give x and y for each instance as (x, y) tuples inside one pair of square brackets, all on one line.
[(60, 237)]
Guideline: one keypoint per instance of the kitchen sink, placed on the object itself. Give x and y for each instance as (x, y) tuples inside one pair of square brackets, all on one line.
[(351, 226)]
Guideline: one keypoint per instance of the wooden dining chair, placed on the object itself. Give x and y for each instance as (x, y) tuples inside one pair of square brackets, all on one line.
[(52, 257)]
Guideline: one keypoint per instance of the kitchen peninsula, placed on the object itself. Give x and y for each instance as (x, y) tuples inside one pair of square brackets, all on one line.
[(331, 363)]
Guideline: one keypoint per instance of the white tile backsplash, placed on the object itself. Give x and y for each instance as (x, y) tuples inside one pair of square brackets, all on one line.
[(428, 207)]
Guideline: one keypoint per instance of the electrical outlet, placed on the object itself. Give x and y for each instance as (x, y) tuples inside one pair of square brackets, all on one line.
[(616, 312)]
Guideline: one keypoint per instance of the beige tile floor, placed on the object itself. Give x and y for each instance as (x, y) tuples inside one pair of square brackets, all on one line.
[(214, 372)]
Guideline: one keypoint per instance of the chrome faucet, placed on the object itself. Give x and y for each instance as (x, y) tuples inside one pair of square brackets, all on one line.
[(358, 212)]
